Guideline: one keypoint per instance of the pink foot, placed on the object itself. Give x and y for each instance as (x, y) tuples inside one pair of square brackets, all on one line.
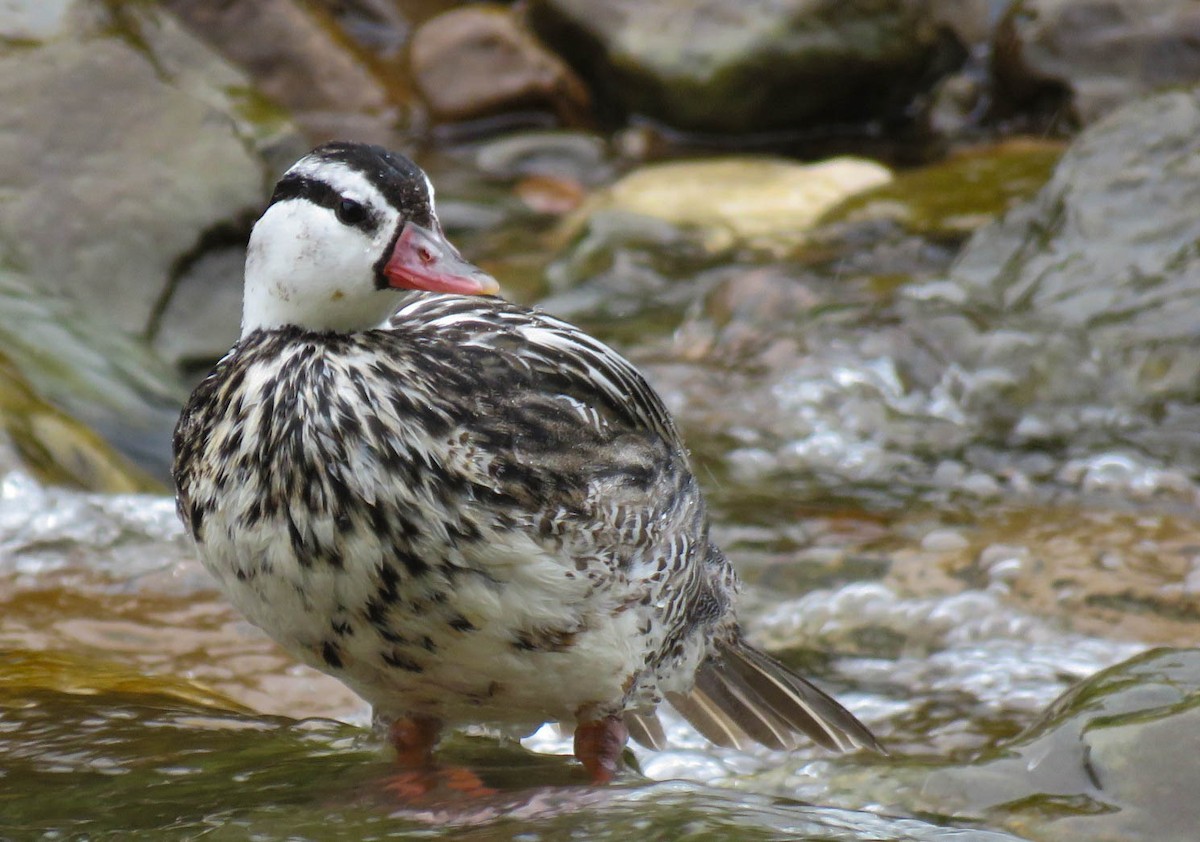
[(598, 746), (421, 780), (422, 786)]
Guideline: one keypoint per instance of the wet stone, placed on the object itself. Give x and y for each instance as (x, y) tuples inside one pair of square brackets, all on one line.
[(764, 65), (67, 357), (295, 57), (753, 202), (199, 323), (479, 60), (1088, 57), (577, 156), (954, 197), (1087, 295), (1113, 759), (113, 185), (56, 447)]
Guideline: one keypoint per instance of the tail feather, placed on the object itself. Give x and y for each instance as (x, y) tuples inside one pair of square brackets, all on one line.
[(708, 718), (762, 724), (645, 729), (743, 695)]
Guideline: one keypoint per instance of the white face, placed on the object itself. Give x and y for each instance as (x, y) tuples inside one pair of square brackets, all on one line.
[(306, 267)]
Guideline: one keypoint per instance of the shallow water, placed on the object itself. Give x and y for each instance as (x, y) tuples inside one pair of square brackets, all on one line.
[(945, 579), (133, 700)]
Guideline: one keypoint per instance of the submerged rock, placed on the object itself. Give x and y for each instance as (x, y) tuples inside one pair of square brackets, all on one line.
[(1113, 759), (24, 672)]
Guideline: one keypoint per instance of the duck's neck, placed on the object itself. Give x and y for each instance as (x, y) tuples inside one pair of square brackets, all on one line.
[(267, 305)]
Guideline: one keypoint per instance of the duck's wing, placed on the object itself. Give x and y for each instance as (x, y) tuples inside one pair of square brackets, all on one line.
[(564, 361)]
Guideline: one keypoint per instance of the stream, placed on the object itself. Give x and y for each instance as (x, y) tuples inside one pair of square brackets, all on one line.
[(946, 427)]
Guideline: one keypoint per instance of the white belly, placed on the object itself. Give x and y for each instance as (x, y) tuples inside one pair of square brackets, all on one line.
[(526, 641)]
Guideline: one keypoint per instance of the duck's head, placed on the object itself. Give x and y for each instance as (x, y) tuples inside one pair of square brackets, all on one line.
[(348, 227)]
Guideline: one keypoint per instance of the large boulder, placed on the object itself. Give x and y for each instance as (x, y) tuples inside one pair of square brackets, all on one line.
[(1101, 267), (759, 65), (1070, 326), (132, 150), (128, 152)]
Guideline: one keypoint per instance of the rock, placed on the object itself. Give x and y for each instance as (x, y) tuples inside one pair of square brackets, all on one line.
[(381, 26), (1090, 56), (479, 61), (550, 194), (24, 673), (1103, 261), (132, 149), (968, 189), (65, 356), (958, 104), (573, 155), (757, 202), (1064, 334), (141, 152), (632, 244), (1113, 759), (298, 59), (56, 448), (761, 65), (1071, 324), (200, 321)]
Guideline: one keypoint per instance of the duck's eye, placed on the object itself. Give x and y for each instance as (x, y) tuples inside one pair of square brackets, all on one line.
[(350, 212)]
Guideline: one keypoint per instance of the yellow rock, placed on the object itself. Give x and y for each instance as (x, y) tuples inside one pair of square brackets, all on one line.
[(759, 202)]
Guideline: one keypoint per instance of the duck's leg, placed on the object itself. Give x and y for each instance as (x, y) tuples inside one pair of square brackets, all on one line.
[(414, 738), (598, 746)]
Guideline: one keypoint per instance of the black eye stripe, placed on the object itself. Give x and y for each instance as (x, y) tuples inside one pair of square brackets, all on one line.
[(350, 212), (398, 180), (320, 193)]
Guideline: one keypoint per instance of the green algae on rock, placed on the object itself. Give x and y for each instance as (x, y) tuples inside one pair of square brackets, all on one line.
[(61, 354), (960, 194)]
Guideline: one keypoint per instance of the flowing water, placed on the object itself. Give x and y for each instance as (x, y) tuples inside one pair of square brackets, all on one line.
[(946, 581)]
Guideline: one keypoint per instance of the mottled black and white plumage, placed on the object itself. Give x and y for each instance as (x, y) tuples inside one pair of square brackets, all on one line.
[(472, 512)]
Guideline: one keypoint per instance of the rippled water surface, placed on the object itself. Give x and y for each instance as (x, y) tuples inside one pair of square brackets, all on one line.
[(946, 579), (132, 699)]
